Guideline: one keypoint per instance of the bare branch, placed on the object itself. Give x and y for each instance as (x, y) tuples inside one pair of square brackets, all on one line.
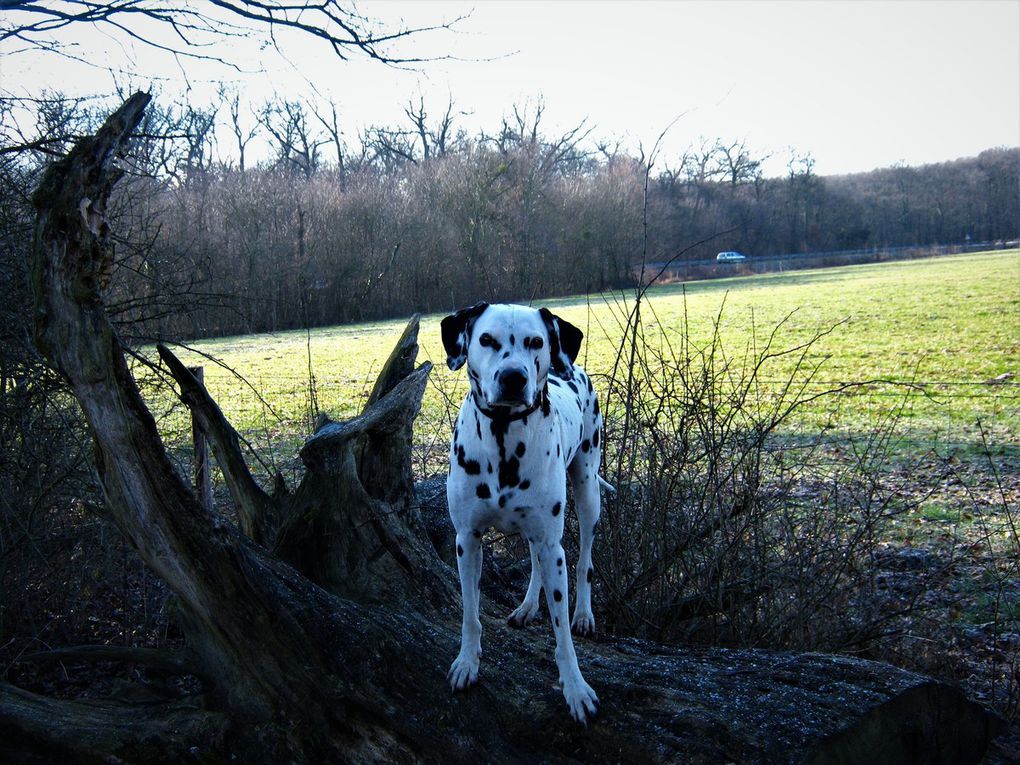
[(196, 31), (250, 500)]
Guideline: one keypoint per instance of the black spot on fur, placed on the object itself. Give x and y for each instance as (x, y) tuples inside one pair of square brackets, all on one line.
[(590, 571), (502, 500), (557, 596), (460, 551), (521, 449), (509, 474), (557, 621), (512, 340), (477, 534), (557, 450), (545, 403), (595, 438), (559, 561), (556, 508), (490, 466), (471, 467), (570, 384), (554, 380), (585, 445), (483, 491), (524, 485), (595, 409)]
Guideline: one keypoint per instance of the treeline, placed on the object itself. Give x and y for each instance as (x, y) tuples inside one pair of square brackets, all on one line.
[(426, 217)]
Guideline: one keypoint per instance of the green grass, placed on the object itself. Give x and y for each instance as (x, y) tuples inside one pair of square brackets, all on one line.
[(949, 324)]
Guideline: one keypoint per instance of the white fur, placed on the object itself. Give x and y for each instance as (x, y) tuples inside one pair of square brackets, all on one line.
[(512, 451)]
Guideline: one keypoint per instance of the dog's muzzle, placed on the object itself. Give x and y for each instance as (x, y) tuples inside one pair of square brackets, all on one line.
[(512, 384)]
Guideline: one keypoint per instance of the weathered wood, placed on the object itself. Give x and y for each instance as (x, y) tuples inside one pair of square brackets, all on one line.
[(233, 604), (203, 475), (251, 503), (352, 526), (37, 729), (165, 661)]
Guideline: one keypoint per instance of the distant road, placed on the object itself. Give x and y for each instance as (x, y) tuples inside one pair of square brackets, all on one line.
[(695, 270)]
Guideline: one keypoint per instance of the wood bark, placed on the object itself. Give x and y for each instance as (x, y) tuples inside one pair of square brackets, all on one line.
[(322, 625)]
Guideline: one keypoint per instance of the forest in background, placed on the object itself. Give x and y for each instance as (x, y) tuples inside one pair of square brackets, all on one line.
[(426, 217)]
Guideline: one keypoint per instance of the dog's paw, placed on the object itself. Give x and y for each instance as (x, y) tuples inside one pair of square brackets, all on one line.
[(523, 615), (583, 625), (463, 672), (581, 699)]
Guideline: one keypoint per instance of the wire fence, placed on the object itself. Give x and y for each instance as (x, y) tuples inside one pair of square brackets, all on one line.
[(284, 403), (999, 389)]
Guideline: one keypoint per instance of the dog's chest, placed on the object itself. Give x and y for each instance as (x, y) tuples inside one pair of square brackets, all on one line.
[(510, 472)]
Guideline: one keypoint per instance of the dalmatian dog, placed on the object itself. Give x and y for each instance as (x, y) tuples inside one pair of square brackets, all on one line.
[(530, 420)]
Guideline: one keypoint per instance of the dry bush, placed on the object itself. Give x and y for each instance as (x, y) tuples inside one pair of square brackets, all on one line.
[(725, 528)]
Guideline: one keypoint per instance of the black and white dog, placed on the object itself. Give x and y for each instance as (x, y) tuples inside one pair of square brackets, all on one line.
[(530, 420)]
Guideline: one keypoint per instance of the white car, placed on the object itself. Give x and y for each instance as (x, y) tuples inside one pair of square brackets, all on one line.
[(729, 256)]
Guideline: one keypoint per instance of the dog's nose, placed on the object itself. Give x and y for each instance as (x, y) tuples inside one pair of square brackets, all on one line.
[(512, 381)]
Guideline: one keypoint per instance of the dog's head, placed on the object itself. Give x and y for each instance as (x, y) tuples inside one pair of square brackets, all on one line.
[(510, 350)]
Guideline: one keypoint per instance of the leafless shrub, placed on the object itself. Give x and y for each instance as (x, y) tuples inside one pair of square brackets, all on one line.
[(725, 528)]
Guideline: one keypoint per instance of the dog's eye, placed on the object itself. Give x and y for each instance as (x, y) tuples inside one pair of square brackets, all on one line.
[(488, 341), (534, 343)]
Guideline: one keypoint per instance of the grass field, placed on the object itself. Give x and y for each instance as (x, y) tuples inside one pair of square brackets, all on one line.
[(949, 325)]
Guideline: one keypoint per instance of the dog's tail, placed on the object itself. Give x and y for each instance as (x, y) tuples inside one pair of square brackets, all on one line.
[(606, 485)]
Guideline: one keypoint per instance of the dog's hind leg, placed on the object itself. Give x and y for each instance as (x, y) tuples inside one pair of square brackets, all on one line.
[(464, 670), (526, 612), (588, 505)]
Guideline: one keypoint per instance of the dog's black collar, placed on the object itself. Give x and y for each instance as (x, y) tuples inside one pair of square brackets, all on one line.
[(504, 414)]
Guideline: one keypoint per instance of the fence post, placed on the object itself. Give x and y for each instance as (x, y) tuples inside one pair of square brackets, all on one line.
[(203, 479)]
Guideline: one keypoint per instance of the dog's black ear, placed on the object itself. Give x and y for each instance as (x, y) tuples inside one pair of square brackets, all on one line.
[(564, 343), (456, 331)]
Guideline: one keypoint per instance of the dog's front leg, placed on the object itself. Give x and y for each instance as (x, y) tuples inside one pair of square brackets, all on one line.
[(464, 670), (580, 697)]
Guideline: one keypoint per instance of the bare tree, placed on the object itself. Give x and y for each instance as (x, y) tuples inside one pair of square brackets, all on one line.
[(736, 162), (297, 141), (243, 135), (435, 139), (423, 141), (331, 124)]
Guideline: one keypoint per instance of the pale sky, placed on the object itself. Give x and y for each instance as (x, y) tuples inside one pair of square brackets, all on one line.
[(858, 85)]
